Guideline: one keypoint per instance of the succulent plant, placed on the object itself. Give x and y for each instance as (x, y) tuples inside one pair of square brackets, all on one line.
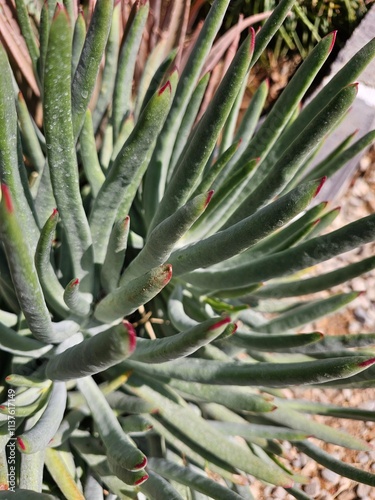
[(137, 239)]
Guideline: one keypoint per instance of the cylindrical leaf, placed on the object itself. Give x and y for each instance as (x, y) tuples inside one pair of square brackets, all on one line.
[(123, 179), (121, 450), (88, 66), (258, 374), (38, 437), (94, 354), (126, 299), (61, 152), (180, 345), (24, 275)]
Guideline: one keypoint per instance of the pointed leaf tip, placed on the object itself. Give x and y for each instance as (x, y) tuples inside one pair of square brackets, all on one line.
[(322, 181), (367, 363), (252, 42), (59, 7), (220, 323), (209, 196), (7, 198), (333, 35), (167, 85)]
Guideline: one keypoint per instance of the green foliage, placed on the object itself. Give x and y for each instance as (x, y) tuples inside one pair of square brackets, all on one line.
[(139, 245), (307, 23)]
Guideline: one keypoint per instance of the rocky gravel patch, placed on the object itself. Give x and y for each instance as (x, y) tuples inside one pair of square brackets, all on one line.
[(359, 317)]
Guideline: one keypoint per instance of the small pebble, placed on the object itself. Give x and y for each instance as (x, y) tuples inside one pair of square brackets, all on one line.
[(330, 476), (363, 490), (363, 457), (361, 315), (279, 493), (313, 488), (324, 495)]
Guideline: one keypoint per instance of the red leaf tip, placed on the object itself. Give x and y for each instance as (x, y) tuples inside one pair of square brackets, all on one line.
[(141, 465), (167, 85), (366, 363), (75, 282), (208, 199), (132, 335), (141, 480), (7, 198), (168, 273), (322, 181), (59, 8), (333, 35), (252, 41), (220, 323), (21, 443), (55, 212)]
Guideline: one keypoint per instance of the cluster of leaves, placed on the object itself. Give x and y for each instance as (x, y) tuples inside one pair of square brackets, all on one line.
[(307, 23), (120, 368)]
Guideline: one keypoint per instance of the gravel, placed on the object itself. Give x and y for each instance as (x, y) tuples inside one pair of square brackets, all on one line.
[(359, 317)]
